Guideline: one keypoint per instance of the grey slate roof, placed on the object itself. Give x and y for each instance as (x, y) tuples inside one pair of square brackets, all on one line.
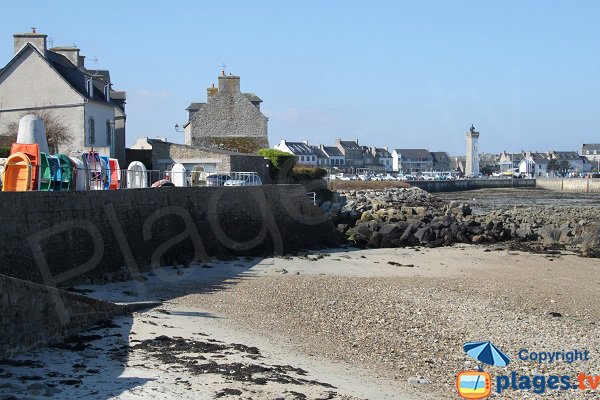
[(195, 106), (350, 144), (415, 154), (565, 155), (440, 157), (318, 152), (299, 148), (332, 151), (585, 147), (381, 152), (252, 97)]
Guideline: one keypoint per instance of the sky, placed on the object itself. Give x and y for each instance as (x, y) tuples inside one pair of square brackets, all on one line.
[(402, 74)]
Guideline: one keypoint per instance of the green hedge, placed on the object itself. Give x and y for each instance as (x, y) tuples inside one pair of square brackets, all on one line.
[(4, 152), (305, 174), (281, 164)]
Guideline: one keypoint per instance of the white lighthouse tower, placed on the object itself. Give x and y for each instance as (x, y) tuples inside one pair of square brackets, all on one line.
[(472, 158)]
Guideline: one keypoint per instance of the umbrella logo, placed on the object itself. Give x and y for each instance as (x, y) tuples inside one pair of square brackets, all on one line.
[(478, 384)]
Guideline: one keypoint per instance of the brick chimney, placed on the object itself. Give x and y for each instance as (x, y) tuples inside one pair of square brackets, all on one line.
[(210, 92), (37, 39)]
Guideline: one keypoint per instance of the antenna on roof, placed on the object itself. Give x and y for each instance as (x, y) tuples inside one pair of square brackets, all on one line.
[(33, 29), (223, 68), (95, 61), (51, 42)]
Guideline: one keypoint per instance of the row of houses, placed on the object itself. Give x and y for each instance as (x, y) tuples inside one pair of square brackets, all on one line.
[(350, 156), (534, 163)]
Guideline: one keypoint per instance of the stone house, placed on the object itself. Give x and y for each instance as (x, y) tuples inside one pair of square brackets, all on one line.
[(334, 157), (509, 162), (229, 119), (412, 160), (382, 157), (56, 80), (306, 155), (441, 161), (164, 154), (353, 153)]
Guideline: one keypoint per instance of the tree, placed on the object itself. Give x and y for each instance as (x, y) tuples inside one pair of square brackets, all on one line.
[(487, 170), (281, 164), (58, 133), (553, 166), (564, 166)]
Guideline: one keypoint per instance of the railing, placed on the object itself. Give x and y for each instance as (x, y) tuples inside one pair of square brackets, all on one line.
[(313, 197)]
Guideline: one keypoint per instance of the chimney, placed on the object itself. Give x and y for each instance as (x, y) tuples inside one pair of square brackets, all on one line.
[(71, 53), (210, 92), (305, 142), (36, 39), (81, 62), (229, 83), (356, 141)]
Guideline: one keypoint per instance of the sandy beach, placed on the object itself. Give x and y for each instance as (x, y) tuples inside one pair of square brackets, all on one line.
[(337, 324)]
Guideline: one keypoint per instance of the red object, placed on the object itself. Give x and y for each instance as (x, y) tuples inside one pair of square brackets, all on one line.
[(33, 152), (114, 174)]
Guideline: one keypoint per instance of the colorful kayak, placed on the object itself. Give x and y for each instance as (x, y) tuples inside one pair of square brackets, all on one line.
[(97, 171), (82, 176), (115, 174), (45, 172), (67, 172), (33, 153), (106, 166), (55, 173), (17, 173)]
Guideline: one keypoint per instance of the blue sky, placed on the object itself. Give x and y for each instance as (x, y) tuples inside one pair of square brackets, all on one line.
[(397, 73)]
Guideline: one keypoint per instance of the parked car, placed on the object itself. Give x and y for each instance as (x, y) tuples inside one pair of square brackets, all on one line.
[(217, 179), (244, 179)]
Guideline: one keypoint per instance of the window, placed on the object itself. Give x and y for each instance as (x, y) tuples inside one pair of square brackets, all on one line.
[(301, 158), (90, 87), (342, 162), (108, 132), (92, 130)]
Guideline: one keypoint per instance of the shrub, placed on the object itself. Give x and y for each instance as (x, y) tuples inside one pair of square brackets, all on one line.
[(281, 164), (4, 152), (305, 174)]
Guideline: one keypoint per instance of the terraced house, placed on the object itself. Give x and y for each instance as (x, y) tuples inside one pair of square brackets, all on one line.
[(57, 82)]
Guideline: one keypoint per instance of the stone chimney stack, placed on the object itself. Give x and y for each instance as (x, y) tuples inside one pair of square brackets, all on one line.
[(71, 53), (210, 92), (37, 39), (229, 83)]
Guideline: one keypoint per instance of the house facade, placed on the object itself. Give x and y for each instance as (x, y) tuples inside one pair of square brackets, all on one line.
[(306, 155), (441, 161), (56, 81), (162, 155), (335, 158), (591, 151), (353, 153), (409, 161), (534, 164), (229, 119), (576, 164)]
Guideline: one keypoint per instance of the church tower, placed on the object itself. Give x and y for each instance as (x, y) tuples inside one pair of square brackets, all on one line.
[(472, 159)]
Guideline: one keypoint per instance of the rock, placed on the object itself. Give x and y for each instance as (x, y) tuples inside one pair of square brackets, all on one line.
[(325, 206), (418, 380)]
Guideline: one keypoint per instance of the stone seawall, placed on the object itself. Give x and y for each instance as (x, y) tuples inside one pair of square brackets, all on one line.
[(35, 314), (472, 184), (569, 184), (60, 237)]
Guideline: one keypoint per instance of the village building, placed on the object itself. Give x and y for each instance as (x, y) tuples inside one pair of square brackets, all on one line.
[(305, 155), (577, 165), (335, 158), (534, 164), (159, 155), (411, 161), (441, 161), (353, 153), (591, 151), (229, 119), (56, 81), (382, 158), (509, 162)]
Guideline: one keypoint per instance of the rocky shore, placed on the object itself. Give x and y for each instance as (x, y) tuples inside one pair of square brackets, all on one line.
[(400, 217)]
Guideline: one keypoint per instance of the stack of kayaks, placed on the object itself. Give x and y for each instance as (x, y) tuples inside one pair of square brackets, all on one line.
[(17, 173)]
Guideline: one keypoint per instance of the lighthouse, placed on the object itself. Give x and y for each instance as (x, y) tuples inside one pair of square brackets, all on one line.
[(472, 158)]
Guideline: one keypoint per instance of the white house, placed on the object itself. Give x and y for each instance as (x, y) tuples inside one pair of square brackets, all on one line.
[(412, 160), (335, 157), (305, 154), (591, 151), (56, 80), (534, 164)]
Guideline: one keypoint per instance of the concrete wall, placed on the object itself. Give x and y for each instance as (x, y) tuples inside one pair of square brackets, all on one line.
[(471, 184), (59, 237), (570, 184), (35, 314)]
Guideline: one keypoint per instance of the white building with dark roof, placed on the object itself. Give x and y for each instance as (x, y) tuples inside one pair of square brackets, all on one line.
[(305, 154), (412, 160), (591, 151), (56, 80)]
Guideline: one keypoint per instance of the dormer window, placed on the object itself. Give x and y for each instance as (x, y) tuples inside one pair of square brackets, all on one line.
[(107, 92), (90, 87)]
